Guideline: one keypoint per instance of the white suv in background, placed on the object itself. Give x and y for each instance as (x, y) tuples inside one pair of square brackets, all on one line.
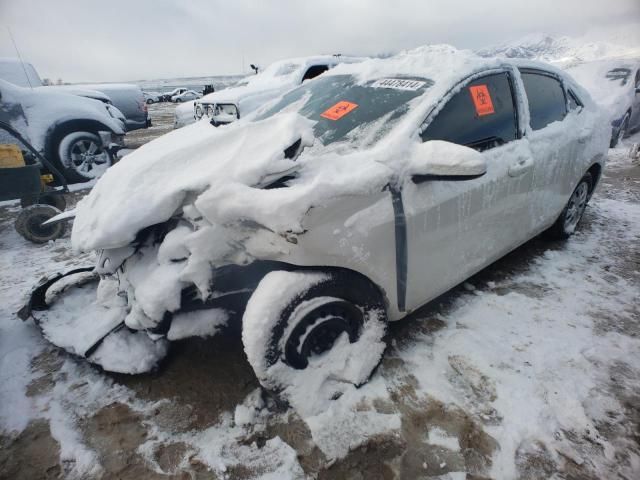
[(228, 105)]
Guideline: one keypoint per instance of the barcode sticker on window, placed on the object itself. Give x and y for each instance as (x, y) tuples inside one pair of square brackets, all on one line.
[(398, 84)]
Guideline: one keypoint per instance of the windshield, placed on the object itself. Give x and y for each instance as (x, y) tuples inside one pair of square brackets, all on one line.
[(347, 111)]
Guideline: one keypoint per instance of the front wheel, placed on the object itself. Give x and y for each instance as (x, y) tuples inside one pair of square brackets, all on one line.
[(313, 330), (82, 157), (568, 220)]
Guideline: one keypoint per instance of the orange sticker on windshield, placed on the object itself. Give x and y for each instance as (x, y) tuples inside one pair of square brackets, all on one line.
[(481, 100), (339, 110)]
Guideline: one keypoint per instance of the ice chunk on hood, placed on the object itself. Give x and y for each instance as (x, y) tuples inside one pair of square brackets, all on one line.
[(150, 184)]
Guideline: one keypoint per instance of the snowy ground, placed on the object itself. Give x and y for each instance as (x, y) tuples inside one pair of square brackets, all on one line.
[(529, 370)]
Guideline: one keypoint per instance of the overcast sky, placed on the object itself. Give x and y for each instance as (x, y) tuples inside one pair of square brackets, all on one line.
[(111, 40)]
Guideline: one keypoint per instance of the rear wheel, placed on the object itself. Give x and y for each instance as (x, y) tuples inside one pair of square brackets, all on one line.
[(29, 224), (149, 101), (568, 220), (304, 329), (82, 156)]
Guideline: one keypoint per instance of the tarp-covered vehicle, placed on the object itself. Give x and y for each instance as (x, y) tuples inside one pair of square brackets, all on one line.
[(349, 202)]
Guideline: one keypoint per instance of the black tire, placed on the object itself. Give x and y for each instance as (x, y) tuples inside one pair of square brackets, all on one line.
[(29, 224), (57, 200), (75, 167), (568, 221), (149, 101), (622, 132), (337, 303), (178, 100)]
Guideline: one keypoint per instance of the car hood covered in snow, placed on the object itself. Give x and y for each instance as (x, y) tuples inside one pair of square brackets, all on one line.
[(215, 171)]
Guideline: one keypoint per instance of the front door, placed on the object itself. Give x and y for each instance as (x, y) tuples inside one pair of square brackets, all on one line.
[(455, 228)]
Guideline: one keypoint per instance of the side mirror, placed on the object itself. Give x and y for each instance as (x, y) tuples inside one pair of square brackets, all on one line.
[(440, 160)]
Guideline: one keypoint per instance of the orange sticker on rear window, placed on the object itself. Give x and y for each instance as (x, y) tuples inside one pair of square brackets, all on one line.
[(481, 100), (339, 110)]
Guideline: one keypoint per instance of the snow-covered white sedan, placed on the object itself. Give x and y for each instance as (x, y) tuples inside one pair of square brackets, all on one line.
[(348, 203), (185, 96)]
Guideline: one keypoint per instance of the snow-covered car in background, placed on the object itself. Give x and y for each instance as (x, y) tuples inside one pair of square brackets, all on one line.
[(615, 85), (349, 202), (152, 97), (185, 96), (228, 105), (166, 97), (77, 134), (127, 98)]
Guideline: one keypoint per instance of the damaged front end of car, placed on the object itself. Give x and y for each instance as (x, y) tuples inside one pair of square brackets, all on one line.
[(181, 278)]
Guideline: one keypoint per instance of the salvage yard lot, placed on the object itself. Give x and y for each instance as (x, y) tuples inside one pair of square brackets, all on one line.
[(529, 370)]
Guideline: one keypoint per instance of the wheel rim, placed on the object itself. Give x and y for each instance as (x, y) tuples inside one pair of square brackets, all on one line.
[(576, 206), (87, 158), (34, 225), (318, 330)]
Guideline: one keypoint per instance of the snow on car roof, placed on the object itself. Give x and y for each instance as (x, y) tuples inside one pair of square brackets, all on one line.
[(281, 74), (212, 171)]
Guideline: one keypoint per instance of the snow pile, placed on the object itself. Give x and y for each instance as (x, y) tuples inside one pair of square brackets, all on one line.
[(65, 324), (200, 323), (527, 358)]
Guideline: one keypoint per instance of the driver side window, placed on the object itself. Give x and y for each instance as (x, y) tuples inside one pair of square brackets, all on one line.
[(481, 115)]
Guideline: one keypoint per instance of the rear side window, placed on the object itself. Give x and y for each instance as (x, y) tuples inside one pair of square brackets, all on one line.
[(481, 115), (547, 103)]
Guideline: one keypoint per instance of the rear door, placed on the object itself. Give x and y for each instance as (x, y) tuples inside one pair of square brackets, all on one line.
[(455, 228), (557, 144)]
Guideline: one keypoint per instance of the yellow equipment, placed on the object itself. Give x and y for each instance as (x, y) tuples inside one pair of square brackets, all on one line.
[(11, 156)]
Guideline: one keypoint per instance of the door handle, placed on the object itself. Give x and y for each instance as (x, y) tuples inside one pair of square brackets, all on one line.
[(522, 166)]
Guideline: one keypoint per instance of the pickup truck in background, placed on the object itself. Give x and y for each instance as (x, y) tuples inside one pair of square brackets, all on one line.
[(127, 98), (78, 134)]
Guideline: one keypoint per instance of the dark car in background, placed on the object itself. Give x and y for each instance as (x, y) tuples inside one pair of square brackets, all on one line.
[(129, 99), (615, 85)]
